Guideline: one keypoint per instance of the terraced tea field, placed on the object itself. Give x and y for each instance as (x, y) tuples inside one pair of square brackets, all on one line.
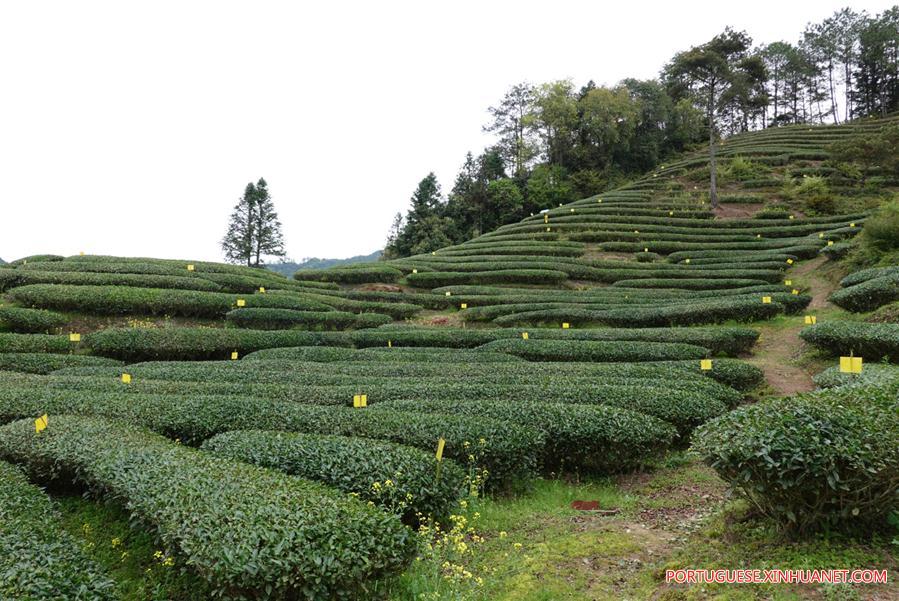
[(419, 428)]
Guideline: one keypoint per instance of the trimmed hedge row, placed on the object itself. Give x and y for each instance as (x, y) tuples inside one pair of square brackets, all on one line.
[(284, 319), (688, 284), (380, 354), (135, 344), (809, 463), (34, 343), (249, 532), (872, 341), (684, 407), (590, 439), (121, 300), (395, 310), (868, 294), (354, 274), (78, 278), (44, 363), (700, 312), (30, 321), (599, 351), (432, 279), (38, 559), (867, 274), (510, 452), (402, 480)]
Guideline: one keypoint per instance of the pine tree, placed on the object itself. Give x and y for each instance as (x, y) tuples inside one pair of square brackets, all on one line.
[(254, 230)]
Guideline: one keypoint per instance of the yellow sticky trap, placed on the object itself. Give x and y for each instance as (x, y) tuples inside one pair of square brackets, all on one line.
[(234, 355), (463, 306), (599, 200), (758, 235), (81, 253), (440, 444), (414, 271), (687, 261), (636, 231), (795, 292), (262, 289), (433, 252), (830, 243), (565, 325), (40, 424), (572, 210), (792, 217), (524, 335), (190, 267), (360, 401), (821, 235), (852, 224), (851, 365), (545, 218), (789, 261), (74, 337), (448, 293), (548, 229), (126, 378), (646, 250), (670, 213), (705, 364), (241, 302), (811, 320), (390, 344), (766, 300), (788, 282)]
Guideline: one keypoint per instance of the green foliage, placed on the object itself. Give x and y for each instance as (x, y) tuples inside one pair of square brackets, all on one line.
[(34, 343), (121, 300), (871, 341), (351, 274), (400, 479), (509, 452), (251, 533), (133, 344), (284, 319), (45, 363), (254, 231), (432, 279), (600, 439), (869, 294), (29, 321), (42, 276), (38, 560), (588, 350), (808, 463)]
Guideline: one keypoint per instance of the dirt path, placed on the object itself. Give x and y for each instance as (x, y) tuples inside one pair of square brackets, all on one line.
[(779, 346)]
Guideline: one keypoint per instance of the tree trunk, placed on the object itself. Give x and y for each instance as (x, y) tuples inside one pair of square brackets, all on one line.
[(713, 175), (833, 96)]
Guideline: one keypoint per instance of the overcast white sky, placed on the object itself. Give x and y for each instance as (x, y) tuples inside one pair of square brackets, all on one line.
[(131, 128)]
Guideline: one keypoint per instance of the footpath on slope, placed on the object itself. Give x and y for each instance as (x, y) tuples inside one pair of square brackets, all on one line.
[(779, 346)]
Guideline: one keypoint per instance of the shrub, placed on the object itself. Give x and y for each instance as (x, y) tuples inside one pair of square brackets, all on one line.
[(37, 259), (807, 464), (250, 532), (881, 232), (283, 319), (871, 341), (351, 274), (688, 284), (44, 363), (30, 320), (41, 276), (401, 479), (867, 274), (869, 294), (133, 344), (380, 354), (38, 559), (591, 439), (432, 279), (510, 452), (34, 343), (150, 301), (589, 350)]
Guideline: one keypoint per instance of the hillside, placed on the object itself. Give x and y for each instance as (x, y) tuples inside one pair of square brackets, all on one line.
[(636, 348), (288, 268)]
